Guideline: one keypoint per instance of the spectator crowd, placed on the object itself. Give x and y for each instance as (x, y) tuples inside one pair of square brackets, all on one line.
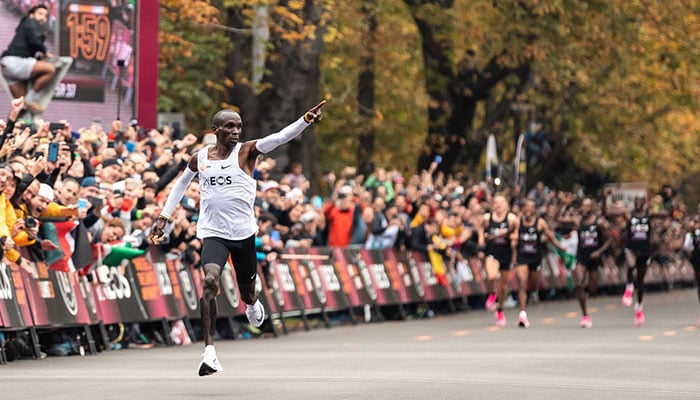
[(112, 181)]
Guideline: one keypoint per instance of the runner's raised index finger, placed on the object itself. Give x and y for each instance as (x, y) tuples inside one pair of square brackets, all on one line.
[(318, 106)]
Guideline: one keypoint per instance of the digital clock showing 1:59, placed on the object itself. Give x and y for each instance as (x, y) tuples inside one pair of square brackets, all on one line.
[(96, 34), (88, 36)]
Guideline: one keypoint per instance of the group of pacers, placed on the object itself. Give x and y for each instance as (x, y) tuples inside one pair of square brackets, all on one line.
[(510, 243)]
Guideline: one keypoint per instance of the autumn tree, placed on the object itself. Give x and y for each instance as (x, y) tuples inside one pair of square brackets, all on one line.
[(192, 56), (290, 71)]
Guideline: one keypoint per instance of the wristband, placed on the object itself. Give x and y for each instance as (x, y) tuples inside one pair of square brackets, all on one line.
[(307, 118)]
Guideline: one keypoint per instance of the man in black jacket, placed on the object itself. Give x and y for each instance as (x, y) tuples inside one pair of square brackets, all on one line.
[(22, 61), (421, 238)]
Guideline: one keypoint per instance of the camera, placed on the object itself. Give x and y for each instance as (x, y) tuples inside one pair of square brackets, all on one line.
[(30, 222)]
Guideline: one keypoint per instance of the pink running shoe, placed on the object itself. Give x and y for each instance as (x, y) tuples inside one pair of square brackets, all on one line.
[(500, 319), (627, 298), (586, 322), (522, 320), (638, 318), (491, 302)]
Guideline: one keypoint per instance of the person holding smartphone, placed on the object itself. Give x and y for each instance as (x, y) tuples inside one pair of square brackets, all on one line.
[(227, 222)]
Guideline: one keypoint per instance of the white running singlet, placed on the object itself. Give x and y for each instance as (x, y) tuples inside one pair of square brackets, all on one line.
[(227, 198)]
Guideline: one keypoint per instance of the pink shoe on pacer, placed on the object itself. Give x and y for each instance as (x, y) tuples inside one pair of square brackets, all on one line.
[(586, 322), (500, 319), (491, 302), (627, 298)]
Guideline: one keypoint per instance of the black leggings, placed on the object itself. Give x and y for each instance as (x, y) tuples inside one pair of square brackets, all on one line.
[(641, 265)]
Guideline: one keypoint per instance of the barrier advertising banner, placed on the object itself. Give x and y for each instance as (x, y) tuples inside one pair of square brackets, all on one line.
[(360, 287), (191, 289), (228, 301), (306, 280), (287, 295), (433, 291), (14, 305), (335, 295), (301, 281), (407, 290), (371, 263), (56, 298), (117, 295), (158, 286)]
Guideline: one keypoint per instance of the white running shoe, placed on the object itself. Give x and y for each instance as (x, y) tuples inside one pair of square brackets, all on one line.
[(255, 313), (522, 320), (210, 362)]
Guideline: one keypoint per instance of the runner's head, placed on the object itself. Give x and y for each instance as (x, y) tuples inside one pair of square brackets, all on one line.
[(528, 208), (586, 207), (227, 127), (500, 204)]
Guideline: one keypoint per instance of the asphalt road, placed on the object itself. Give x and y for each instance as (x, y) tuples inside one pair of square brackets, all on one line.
[(457, 356)]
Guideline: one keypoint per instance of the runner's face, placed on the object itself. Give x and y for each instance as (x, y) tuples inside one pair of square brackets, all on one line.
[(229, 131), (500, 205)]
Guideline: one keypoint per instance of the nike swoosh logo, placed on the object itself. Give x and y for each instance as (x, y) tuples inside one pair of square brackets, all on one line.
[(225, 166), (253, 277)]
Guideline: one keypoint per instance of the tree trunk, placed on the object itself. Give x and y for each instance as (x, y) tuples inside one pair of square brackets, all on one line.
[(365, 92), (291, 88)]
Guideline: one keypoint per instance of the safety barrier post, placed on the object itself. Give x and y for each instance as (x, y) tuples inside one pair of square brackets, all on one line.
[(92, 348), (103, 335), (36, 346)]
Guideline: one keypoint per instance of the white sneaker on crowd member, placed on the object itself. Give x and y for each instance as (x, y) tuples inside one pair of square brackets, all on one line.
[(255, 313), (210, 362)]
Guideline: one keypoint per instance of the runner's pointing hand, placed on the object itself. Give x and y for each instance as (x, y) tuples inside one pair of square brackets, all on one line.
[(314, 114)]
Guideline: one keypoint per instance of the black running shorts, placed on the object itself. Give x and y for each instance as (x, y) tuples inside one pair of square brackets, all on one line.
[(216, 251)]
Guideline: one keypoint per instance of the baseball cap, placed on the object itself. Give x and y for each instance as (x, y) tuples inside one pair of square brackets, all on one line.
[(45, 191), (270, 185), (89, 181), (112, 161)]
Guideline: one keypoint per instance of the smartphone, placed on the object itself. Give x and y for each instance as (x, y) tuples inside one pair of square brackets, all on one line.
[(96, 202), (275, 235), (82, 204), (54, 126), (53, 152)]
